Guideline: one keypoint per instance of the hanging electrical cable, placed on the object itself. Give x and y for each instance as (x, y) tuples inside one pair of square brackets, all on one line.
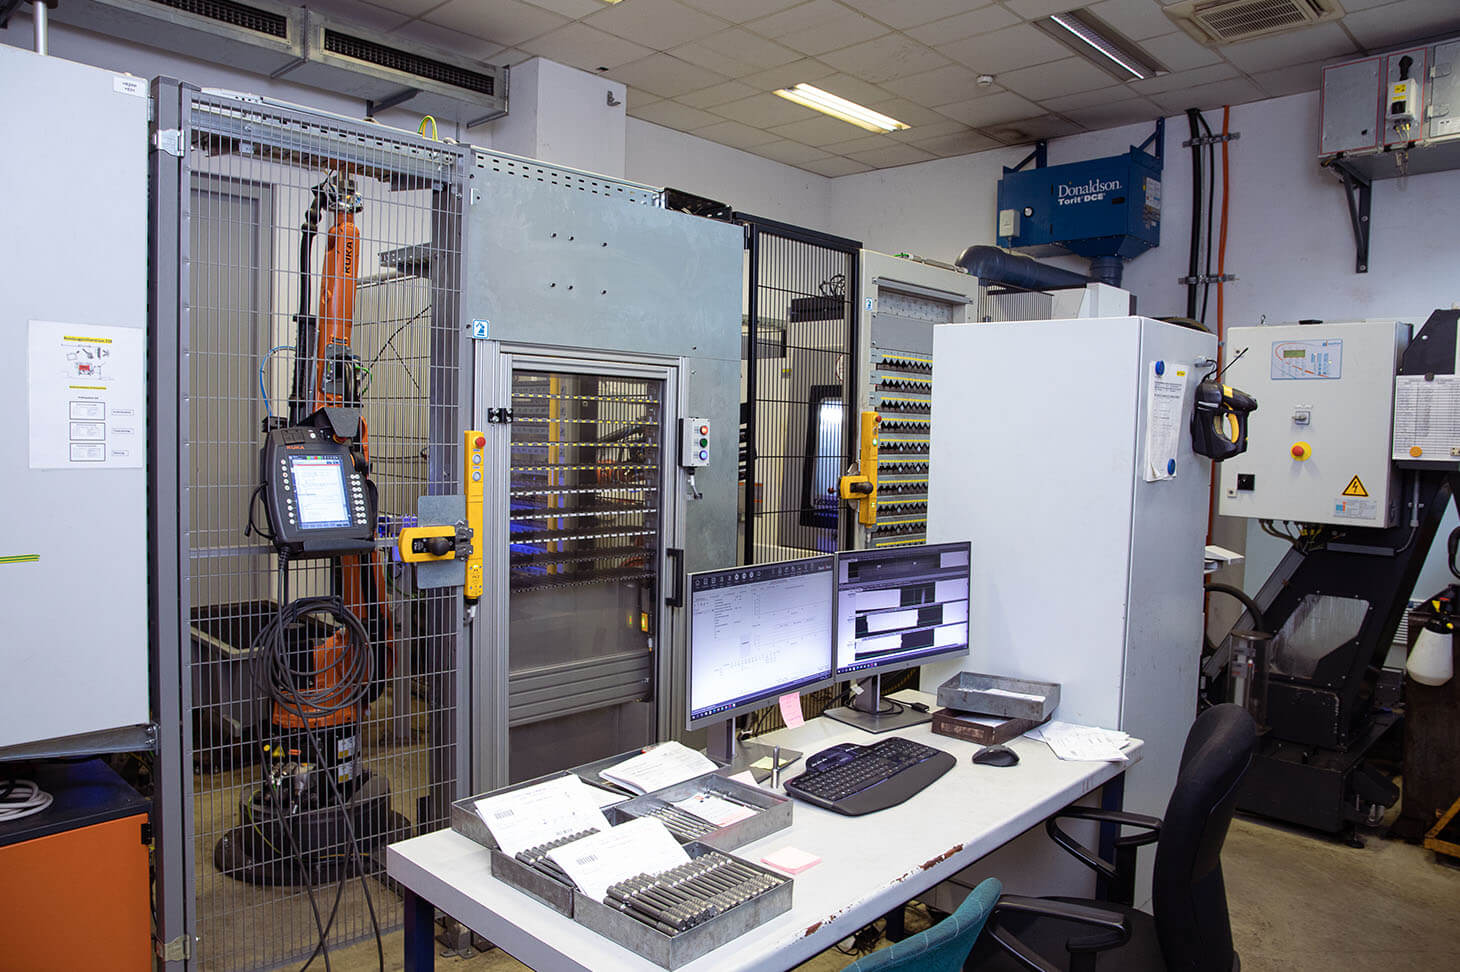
[(1222, 234), (1211, 206), (1194, 254)]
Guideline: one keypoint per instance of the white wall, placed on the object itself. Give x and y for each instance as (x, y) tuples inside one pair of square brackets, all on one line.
[(639, 151), (564, 115), (663, 157), (1289, 240)]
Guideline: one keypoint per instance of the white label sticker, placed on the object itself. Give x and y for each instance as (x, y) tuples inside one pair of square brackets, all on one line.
[(87, 392), (479, 329), (136, 87), (1349, 508)]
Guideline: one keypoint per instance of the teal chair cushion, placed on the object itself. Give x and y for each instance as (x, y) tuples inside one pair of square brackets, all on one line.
[(945, 946)]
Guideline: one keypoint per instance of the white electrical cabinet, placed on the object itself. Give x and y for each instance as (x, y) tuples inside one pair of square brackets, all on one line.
[(1318, 445), (73, 315), (1087, 561)]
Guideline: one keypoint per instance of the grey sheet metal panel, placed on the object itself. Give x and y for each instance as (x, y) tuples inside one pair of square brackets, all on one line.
[(553, 265), (73, 562)]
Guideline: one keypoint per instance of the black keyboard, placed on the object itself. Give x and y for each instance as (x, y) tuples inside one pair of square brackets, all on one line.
[(881, 776)]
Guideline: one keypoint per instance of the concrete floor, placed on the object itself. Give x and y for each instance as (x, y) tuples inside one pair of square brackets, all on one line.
[(1298, 903)]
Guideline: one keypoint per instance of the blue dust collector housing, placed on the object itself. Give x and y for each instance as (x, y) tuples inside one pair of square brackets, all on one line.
[(1108, 210)]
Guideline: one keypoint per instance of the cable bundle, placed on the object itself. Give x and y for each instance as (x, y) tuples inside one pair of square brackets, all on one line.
[(21, 798), (302, 690)]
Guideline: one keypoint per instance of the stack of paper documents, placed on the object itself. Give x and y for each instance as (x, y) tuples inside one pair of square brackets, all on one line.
[(539, 814), (1070, 741), (654, 769), (638, 846)]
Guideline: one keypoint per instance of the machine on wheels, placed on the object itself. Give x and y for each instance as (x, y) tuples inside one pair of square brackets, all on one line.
[(1354, 460)]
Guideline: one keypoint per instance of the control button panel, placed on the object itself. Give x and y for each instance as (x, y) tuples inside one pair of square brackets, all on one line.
[(694, 442)]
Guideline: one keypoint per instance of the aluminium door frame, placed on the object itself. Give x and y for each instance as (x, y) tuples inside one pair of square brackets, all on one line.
[(490, 697)]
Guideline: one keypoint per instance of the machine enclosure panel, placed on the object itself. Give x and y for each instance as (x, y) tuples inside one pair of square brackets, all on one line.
[(559, 267), (1342, 421), (74, 648), (1083, 573), (1101, 207)]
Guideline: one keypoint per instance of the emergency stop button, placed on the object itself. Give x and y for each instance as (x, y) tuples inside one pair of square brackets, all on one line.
[(1301, 451)]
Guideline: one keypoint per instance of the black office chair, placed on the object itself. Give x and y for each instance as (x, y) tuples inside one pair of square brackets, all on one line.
[(1190, 931)]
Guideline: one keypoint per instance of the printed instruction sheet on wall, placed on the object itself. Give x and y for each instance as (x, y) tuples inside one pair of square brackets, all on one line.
[(1165, 392), (87, 396)]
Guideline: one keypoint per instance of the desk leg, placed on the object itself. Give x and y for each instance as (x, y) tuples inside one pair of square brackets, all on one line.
[(420, 935), (1112, 797)]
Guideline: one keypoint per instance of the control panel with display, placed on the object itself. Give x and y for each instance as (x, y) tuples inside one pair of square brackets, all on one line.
[(319, 503)]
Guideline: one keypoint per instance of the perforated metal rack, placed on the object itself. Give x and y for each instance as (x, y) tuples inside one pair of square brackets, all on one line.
[(585, 489), (227, 212)]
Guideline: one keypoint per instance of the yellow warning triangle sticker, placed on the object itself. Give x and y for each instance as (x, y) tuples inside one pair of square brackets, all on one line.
[(1355, 487)]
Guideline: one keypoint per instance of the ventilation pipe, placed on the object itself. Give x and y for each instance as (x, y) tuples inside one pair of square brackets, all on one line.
[(993, 265)]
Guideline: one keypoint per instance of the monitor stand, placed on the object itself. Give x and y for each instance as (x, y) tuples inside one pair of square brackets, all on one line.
[(725, 749), (867, 710)]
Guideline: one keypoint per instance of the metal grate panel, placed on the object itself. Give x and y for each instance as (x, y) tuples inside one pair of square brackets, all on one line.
[(370, 52), (239, 15), (800, 410), (1240, 19), (250, 173)]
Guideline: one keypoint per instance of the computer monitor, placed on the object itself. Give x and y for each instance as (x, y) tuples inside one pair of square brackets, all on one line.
[(756, 633), (897, 608)]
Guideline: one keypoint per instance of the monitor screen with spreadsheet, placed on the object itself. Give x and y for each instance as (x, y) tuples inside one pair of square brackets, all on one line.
[(757, 633)]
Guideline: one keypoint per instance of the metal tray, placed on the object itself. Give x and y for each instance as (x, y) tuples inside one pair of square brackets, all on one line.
[(555, 894), (968, 692), (775, 810), (672, 951)]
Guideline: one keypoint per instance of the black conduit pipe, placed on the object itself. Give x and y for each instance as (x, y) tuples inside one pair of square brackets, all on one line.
[(993, 265), (1193, 265)]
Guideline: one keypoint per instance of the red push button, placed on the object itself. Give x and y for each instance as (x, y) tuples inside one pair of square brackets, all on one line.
[(1301, 451), (481, 441)]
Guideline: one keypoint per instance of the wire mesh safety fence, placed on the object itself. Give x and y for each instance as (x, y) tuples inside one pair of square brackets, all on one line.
[(291, 809), (798, 370)]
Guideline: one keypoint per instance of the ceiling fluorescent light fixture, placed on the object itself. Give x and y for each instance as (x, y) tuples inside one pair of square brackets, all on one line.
[(838, 107), (1100, 44)]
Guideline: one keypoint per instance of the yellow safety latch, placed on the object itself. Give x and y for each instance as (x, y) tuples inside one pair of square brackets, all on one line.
[(423, 545), (862, 485), (474, 479)]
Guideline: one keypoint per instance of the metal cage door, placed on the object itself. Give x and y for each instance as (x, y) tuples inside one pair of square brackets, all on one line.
[(582, 524)]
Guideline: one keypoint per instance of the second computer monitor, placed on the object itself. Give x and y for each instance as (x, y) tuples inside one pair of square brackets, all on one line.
[(757, 633), (900, 607)]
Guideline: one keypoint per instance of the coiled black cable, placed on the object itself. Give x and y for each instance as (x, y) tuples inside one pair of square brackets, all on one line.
[(302, 689)]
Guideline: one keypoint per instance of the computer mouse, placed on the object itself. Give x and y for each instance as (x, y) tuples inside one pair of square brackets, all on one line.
[(832, 757), (996, 756)]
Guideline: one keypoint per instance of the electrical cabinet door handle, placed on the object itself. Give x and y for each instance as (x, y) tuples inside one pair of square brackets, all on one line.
[(676, 556)]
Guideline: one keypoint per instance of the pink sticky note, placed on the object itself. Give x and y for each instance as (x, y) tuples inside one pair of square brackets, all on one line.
[(744, 777), (791, 860), (791, 710)]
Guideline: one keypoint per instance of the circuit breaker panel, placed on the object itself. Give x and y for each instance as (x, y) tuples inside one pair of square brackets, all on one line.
[(903, 300), (1318, 445)]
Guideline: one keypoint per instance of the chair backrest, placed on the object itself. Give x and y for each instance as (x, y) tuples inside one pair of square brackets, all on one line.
[(945, 946), (1188, 897)]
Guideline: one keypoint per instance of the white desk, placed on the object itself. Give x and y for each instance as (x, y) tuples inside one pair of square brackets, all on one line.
[(869, 865)]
